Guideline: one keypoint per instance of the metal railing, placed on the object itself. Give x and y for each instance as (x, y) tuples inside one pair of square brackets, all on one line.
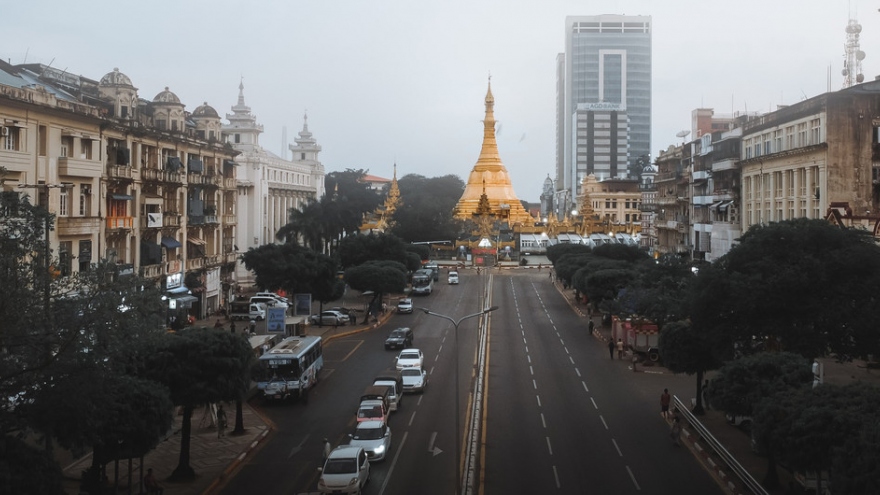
[(745, 477)]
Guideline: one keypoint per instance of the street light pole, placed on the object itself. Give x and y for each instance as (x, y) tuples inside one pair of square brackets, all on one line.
[(457, 433)]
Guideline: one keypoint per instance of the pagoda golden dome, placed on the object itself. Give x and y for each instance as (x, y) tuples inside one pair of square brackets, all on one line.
[(490, 177)]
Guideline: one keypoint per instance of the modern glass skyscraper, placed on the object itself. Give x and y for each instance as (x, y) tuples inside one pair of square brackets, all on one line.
[(604, 98)]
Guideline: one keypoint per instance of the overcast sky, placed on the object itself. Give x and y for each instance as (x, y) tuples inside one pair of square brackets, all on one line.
[(403, 81)]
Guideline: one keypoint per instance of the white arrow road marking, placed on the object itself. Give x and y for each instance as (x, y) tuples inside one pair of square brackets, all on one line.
[(297, 448), (431, 448)]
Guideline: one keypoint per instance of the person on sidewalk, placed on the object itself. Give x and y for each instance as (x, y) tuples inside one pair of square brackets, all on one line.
[(221, 421), (675, 431), (619, 349), (232, 327), (352, 318), (151, 485), (664, 403), (591, 325), (705, 392), (611, 348)]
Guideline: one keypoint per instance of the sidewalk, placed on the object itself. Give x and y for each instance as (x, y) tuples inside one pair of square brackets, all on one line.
[(212, 458)]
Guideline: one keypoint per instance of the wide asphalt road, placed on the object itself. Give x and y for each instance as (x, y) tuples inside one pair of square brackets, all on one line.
[(562, 417)]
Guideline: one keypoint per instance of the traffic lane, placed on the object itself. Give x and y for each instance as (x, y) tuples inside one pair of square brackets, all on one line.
[(589, 455), (288, 460), (430, 444)]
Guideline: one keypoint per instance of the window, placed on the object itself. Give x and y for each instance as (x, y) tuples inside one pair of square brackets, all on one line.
[(86, 149), (789, 138), (237, 138), (85, 255), (63, 207), (777, 141), (11, 138), (302, 156), (123, 111), (802, 134), (815, 131), (44, 140), (85, 193)]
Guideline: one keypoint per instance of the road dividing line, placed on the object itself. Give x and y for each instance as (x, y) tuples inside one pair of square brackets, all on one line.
[(539, 400), (549, 447), (412, 418), (578, 372), (603, 421), (619, 453), (543, 422), (535, 384), (393, 463), (594, 403), (531, 371), (633, 478), (556, 475), (585, 388)]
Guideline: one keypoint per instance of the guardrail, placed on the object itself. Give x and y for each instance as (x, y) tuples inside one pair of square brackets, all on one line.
[(745, 477)]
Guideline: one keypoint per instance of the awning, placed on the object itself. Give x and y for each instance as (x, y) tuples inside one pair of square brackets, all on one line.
[(123, 197), (178, 290), (186, 300), (170, 243), (724, 205), (715, 204), (195, 240)]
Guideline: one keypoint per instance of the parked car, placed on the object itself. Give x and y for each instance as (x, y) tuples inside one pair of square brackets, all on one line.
[(414, 379), (409, 358), (330, 317), (374, 437), (400, 338), (346, 470), (453, 278), (405, 306)]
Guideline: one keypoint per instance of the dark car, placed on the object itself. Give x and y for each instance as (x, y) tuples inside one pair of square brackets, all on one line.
[(400, 338)]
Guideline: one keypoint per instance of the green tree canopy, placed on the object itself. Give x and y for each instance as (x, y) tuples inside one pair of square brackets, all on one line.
[(294, 269), (805, 285), (428, 203), (661, 290), (556, 251), (358, 249), (381, 277), (685, 349)]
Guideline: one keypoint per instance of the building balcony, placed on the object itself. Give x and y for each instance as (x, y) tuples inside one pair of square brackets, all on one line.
[(229, 219), (231, 257), (153, 174), (195, 263), (727, 164), (78, 167), (213, 260), (152, 271), (666, 200), (120, 223), (119, 172), (229, 183), (78, 225), (211, 219)]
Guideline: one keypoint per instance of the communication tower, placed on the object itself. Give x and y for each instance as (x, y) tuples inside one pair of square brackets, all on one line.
[(852, 66)]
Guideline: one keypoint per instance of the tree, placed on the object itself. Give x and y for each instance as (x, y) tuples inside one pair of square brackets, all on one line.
[(743, 383), (358, 249), (295, 269), (26, 470), (661, 290), (814, 285), (556, 251), (199, 366), (381, 277), (685, 349), (428, 204)]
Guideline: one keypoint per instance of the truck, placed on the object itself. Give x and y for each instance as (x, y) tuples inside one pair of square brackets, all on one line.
[(239, 310), (638, 334), (392, 379)]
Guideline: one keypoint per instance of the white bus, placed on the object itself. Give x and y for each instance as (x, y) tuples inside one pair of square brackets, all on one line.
[(290, 368)]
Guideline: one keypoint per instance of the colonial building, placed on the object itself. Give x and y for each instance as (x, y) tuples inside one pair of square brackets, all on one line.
[(141, 183), (268, 185)]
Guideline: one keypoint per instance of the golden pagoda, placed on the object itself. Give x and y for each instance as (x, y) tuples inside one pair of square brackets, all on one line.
[(380, 220), (489, 177)]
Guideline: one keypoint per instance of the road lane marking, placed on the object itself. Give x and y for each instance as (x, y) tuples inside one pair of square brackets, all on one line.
[(360, 343), (556, 475), (531, 371), (585, 387), (633, 478), (393, 463), (297, 448), (578, 372), (529, 358), (594, 403), (603, 421), (566, 351), (571, 359), (539, 400), (619, 453), (549, 447), (535, 384), (411, 418), (543, 422)]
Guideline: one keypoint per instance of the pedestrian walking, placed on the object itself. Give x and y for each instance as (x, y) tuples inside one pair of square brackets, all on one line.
[(221, 421), (611, 348), (352, 318), (675, 431), (253, 327), (619, 349), (218, 324), (664, 403), (232, 326), (151, 485), (326, 449), (591, 325)]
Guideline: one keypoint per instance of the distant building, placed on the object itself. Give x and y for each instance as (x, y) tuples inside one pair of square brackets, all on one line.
[(603, 99)]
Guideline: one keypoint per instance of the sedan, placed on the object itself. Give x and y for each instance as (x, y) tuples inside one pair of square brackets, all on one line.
[(374, 437), (404, 306), (409, 358), (331, 317), (414, 379), (346, 470)]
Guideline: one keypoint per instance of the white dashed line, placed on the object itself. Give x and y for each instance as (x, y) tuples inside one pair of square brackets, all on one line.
[(578, 372), (633, 478), (539, 400), (619, 453), (549, 447), (535, 384), (531, 371), (556, 475), (603, 421), (594, 403), (543, 422), (585, 387)]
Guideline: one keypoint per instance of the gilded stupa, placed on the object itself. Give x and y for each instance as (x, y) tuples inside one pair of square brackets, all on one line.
[(380, 219), (489, 177)]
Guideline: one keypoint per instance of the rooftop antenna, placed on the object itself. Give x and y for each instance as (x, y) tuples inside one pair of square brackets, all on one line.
[(852, 64)]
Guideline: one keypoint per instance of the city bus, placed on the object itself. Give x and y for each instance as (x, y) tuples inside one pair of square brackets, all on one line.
[(291, 368)]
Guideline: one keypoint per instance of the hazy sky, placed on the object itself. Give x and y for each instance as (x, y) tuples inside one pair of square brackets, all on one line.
[(403, 81)]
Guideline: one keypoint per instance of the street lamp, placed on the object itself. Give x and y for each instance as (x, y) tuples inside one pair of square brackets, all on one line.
[(455, 324)]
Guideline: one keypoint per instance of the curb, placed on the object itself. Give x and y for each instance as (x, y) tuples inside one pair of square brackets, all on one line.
[(236, 462), (691, 441)]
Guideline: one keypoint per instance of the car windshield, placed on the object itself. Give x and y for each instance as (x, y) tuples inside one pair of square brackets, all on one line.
[(340, 466), (368, 434), (409, 355), (412, 372), (370, 412), (398, 334)]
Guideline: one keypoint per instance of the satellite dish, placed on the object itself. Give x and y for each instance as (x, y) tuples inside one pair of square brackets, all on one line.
[(682, 134)]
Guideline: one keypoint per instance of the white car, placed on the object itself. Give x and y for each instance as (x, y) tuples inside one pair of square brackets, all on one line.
[(330, 317), (405, 306), (374, 437), (346, 470), (414, 379), (409, 358), (453, 278)]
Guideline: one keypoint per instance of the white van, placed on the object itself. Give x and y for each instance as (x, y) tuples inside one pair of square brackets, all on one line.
[(270, 302), (257, 311)]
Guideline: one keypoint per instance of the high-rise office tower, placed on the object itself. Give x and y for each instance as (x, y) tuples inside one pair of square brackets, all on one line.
[(603, 100)]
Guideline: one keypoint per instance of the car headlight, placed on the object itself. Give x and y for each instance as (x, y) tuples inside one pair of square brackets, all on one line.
[(354, 481), (379, 449)]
